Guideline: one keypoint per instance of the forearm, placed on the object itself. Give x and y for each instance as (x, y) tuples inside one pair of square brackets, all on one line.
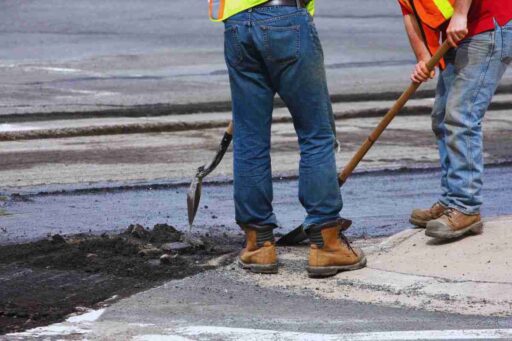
[(415, 38), (458, 27), (462, 7)]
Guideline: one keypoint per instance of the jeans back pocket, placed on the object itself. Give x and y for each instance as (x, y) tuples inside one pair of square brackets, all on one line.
[(506, 35), (282, 44), (232, 46)]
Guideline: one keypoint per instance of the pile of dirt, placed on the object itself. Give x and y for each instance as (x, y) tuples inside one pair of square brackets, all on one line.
[(44, 281)]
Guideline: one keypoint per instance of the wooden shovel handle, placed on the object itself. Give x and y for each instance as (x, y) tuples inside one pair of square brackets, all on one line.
[(386, 120), (229, 129)]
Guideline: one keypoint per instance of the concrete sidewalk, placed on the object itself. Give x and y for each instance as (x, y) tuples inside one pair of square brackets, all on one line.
[(438, 290), (472, 276)]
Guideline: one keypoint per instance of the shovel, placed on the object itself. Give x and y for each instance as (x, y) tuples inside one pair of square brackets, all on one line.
[(194, 192), (298, 235)]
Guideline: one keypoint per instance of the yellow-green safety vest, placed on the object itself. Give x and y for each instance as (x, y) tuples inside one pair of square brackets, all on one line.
[(222, 9)]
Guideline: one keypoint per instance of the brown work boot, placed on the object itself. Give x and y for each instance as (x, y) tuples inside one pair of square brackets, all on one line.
[(331, 251), (420, 217), (453, 224), (259, 254)]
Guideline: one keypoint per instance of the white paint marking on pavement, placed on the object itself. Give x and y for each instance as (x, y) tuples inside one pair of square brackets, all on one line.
[(92, 92), (89, 316), (52, 69), (224, 333), (155, 337), (52, 330), (74, 325), (5, 127)]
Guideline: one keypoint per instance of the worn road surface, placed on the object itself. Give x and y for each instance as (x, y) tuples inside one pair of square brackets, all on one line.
[(229, 303), (378, 203), (117, 57), (69, 56)]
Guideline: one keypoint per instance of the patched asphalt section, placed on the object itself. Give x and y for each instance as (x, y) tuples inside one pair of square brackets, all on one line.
[(218, 298), (379, 203), (44, 281)]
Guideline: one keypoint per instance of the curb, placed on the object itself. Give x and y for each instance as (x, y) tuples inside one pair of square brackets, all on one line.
[(162, 109), (165, 109), (393, 241), (159, 127)]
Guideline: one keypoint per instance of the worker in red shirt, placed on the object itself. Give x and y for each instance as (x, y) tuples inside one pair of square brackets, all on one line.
[(480, 32)]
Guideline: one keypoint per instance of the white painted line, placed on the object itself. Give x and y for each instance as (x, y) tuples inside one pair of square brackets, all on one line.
[(157, 337), (75, 325), (6, 127), (52, 330), (224, 333), (52, 69), (89, 316)]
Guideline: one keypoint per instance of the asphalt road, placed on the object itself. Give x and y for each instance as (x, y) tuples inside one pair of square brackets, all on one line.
[(214, 303), (378, 203), (217, 300), (71, 56)]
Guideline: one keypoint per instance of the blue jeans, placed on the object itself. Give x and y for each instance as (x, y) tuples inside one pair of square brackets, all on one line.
[(273, 50), (464, 92)]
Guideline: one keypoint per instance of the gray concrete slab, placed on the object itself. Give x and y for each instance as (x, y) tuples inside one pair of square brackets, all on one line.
[(176, 155)]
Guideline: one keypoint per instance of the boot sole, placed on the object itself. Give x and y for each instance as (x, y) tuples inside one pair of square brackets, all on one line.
[(419, 223), (328, 271), (259, 268), (476, 228)]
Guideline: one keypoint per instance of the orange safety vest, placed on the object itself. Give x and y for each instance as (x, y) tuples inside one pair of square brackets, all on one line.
[(432, 15)]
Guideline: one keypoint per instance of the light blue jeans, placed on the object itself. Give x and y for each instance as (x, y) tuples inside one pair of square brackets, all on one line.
[(464, 92), (273, 50)]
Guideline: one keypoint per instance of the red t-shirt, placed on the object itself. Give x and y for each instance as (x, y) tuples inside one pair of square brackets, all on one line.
[(482, 14)]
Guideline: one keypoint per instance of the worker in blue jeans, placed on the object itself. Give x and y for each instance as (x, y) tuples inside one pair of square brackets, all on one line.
[(274, 48), (481, 34)]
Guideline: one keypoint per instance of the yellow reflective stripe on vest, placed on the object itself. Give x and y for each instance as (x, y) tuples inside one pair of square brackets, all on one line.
[(311, 7), (220, 10), (445, 7)]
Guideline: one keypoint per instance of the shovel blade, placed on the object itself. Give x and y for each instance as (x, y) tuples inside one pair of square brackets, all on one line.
[(193, 199), (298, 235), (294, 237)]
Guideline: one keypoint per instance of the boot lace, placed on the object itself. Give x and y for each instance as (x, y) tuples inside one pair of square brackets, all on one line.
[(347, 242), (449, 212)]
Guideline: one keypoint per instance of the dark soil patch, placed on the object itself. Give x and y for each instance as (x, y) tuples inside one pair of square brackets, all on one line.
[(44, 281)]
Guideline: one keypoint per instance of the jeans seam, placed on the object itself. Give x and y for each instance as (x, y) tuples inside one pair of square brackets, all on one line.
[(473, 101), (284, 16), (235, 40)]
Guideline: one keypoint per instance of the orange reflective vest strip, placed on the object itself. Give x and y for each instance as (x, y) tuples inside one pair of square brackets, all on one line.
[(433, 13), (432, 36), (217, 8)]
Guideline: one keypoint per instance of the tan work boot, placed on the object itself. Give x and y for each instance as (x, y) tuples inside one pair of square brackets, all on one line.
[(331, 252), (420, 217), (453, 224), (259, 254)]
